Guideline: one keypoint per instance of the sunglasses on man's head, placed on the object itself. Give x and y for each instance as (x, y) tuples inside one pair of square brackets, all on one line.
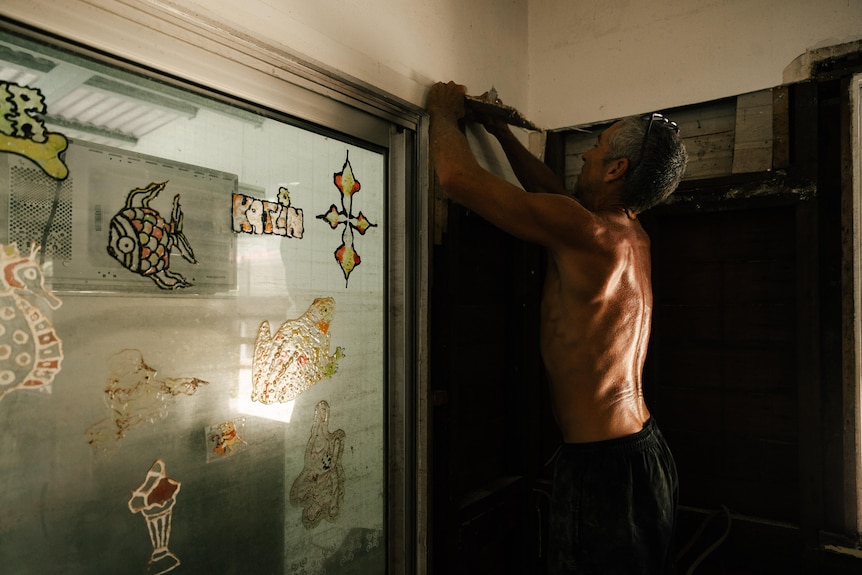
[(655, 117)]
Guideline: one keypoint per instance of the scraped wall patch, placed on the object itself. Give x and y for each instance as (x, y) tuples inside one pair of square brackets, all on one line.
[(262, 217), (155, 500), (135, 396), (319, 488), (30, 350), (141, 240), (346, 254), (22, 132), (296, 357)]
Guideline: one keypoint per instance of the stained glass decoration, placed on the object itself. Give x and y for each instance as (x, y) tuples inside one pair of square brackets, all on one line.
[(155, 500), (296, 356), (135, 396), (142, 240), (261, 217), (319, 488), (22, 131), (225, 439), (30, 350), (346, 254)]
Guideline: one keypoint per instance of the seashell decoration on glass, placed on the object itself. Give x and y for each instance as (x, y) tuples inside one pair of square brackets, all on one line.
[(296, 357)]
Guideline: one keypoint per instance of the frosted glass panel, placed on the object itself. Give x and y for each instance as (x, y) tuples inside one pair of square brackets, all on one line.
[(192, 330)]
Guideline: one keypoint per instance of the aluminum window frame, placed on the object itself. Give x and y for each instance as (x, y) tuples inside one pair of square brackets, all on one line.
[(853, 294)]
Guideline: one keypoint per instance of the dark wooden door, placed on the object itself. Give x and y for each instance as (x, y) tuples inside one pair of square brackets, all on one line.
[(490, 428), (725, 376)]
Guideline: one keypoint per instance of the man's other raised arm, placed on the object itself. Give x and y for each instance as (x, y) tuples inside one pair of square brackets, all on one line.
[(533, 173)]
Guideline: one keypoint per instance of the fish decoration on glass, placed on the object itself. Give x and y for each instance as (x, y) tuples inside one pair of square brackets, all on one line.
[(347, 184), (30, 350), (142, 240)]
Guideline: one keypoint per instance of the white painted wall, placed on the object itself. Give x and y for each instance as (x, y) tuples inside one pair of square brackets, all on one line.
[(400, 46), (597, 60), (562, 62)]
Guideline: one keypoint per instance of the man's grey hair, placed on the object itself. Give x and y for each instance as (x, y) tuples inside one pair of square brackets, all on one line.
[(655, 166)]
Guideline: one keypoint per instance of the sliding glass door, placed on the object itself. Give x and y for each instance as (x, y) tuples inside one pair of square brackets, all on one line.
[(196, 337)]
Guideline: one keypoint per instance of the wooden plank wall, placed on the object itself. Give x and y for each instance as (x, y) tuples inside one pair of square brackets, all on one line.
[(485, 374), (725, 137), (723, 365)]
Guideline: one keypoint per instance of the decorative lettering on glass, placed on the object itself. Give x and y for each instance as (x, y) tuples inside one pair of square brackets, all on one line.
[(262, 217)]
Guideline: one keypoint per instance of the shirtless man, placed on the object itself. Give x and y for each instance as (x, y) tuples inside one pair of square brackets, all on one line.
[(615, 486)]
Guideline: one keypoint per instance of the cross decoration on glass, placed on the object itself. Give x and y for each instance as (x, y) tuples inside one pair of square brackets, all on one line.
[(346, 255)]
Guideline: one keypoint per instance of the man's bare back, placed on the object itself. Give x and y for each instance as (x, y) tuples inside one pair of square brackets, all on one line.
[(614, 496), (597, 297), (595, 325)]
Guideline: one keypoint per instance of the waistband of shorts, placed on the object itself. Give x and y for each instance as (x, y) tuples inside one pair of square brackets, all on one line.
[(646, 436)]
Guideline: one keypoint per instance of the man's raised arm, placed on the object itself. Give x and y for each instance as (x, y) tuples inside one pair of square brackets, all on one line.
[(549, 219), (533, 174)]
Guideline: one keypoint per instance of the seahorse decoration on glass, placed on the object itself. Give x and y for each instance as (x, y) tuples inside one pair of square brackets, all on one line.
[(346, 254), (296, 357), (319, 488), (22, 132), (134, 396), (142, 240), (30, 350), (261, 217), (155, 500)]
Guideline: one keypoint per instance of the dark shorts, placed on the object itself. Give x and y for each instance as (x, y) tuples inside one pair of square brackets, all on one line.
[(613, 506)]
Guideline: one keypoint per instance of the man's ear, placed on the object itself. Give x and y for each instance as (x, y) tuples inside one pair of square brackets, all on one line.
[(616, 169)]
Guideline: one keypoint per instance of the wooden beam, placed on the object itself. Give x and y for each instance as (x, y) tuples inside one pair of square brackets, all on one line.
[(752, 146)]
